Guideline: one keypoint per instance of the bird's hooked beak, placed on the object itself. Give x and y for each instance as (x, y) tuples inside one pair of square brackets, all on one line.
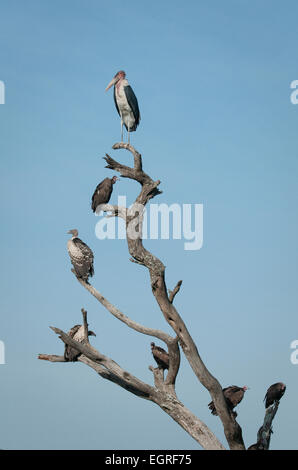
[(91, 333), (112, 82), (73, 232)]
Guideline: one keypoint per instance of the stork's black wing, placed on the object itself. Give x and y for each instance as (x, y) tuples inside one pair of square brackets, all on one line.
[(115, 101), (133, 103)]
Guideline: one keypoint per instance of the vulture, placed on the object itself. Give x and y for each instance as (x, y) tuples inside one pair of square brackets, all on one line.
[(81, 256), (126, 103), (160, 356), (233, 396), (274, 393), (103, 191), (76, 333)]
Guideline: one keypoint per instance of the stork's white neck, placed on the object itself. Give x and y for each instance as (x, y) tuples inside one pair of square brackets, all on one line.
[(121, 83)]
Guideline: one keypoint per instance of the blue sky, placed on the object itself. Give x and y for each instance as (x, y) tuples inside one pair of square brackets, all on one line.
[(218, 128)]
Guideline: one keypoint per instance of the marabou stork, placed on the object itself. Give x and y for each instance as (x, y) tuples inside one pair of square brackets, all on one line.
[(126, 103), (233, 396), (103, 192), (76, 333), (81, 256)]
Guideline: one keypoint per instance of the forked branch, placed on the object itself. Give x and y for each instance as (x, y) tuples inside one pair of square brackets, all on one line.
[(156, 269), (174, 292), (163, 393), (163, 396)]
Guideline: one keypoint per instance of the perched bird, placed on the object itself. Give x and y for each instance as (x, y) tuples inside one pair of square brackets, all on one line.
[(233, 396), (126, 103), (103, 192), (76, 333), (81, 256), (274, 393), (160, 356)]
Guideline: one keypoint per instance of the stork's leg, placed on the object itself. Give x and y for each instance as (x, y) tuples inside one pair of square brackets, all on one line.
[(128, 136), (121, 130)]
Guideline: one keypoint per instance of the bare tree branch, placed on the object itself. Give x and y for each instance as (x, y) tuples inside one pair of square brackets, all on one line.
[(85, 324), (85, 349), (51, 358), (174, 362), (124, 318), (112, 366), (136, 154), (172, 343), (169, 403), (174, 292), (188, 421), (136, 262), (117, 211), (130, 386), (156, 269), (265, 431), (163, 393), (163, 396), (135, 173), (158, 375)]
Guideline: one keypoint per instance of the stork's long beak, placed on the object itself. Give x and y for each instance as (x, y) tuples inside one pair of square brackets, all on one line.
[(112, 82)]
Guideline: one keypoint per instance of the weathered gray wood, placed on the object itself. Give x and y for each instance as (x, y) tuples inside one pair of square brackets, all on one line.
[(156, 269), (163, 392), (51, 358), (174, 292), (265, 431)]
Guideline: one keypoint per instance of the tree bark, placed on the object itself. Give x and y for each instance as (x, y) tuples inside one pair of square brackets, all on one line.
[(163, 392), (156, 269)]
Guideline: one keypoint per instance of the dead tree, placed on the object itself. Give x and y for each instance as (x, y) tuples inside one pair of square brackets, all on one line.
[(162, 392)]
